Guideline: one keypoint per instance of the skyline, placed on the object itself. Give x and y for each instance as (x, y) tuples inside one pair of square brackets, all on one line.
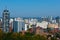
[(31, 8)]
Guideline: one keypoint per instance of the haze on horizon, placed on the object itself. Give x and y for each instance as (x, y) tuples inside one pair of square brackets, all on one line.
[(31, 8)]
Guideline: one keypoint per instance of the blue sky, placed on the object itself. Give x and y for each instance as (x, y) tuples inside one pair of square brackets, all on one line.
[(31, 8)]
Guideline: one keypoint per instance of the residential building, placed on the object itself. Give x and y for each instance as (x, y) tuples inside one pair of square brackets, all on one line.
[(5, 20)]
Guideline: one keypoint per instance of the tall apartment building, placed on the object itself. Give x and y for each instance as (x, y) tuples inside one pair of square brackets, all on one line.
[(5, 20)]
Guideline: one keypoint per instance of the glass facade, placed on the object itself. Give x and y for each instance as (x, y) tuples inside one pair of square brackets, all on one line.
[(15, 26), (18, 26)]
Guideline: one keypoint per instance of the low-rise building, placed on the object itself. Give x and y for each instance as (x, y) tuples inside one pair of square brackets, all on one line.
[(43, 24)]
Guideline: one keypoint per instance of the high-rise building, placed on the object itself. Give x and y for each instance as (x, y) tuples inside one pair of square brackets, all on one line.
[(15, 26), (18, 25), (5, 19)]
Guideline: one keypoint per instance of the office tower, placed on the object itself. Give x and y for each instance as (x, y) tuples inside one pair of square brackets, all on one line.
[(18, 25), (58, 19), (43, 18), (15, 26), (50, 18), (5, 19)]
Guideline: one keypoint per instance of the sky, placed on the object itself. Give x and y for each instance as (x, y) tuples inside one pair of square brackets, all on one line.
[(31, 8)]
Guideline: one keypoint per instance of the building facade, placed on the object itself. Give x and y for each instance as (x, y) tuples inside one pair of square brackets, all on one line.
[(6, 18), (18, 25)]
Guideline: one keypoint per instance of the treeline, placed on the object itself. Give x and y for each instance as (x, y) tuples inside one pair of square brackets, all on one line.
[(22, 36)]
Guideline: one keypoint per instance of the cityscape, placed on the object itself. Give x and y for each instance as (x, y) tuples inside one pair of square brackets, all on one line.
[(29, 19), (18, 24), (34, 25)]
